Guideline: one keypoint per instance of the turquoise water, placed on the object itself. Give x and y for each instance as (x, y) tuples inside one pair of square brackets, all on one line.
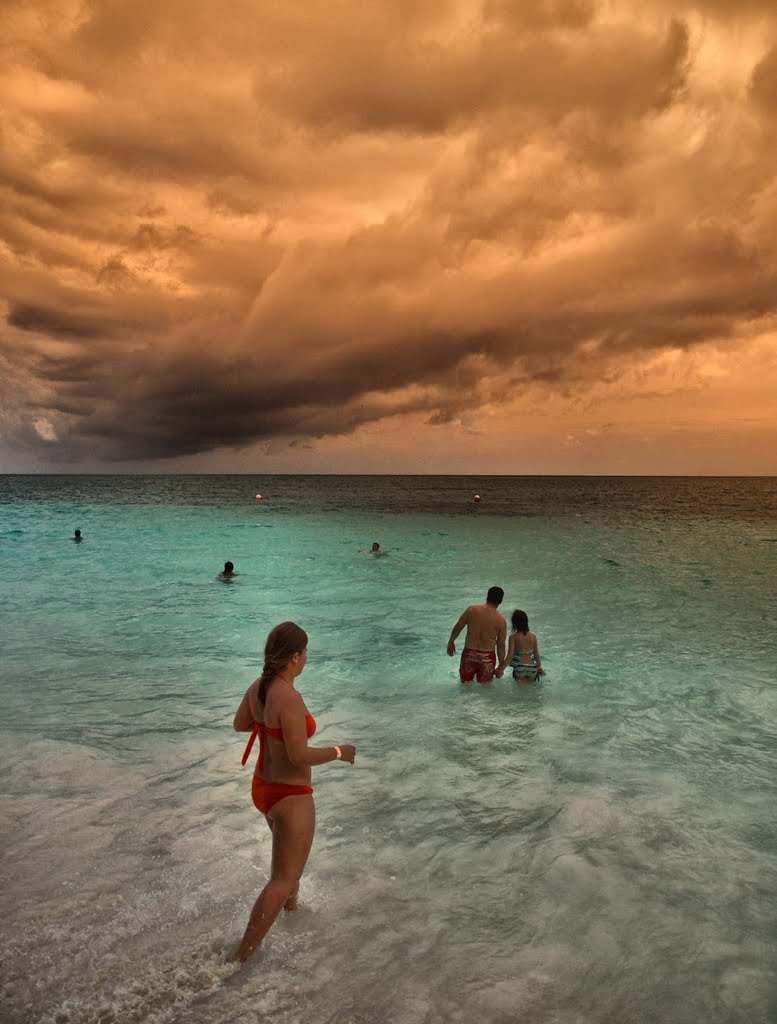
[(599, 847)]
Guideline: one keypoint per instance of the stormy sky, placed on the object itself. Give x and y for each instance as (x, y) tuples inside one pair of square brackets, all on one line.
[(505, 236)]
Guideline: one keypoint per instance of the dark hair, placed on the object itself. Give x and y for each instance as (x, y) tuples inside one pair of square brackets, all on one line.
[(228, 567), (495, 595), (520, 621), (283, 641), (77, 533)]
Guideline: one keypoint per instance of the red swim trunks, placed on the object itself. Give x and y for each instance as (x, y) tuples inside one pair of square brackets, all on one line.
[(480, 664)]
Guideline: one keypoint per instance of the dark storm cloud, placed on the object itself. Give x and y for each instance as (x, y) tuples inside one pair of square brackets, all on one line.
[(764, 82), (48, 321), (430, 87), (293, 220), (198, 402)]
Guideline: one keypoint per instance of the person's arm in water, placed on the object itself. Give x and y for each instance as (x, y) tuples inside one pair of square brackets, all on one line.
[(295, 737), (509, 656), (455, 632), (537, 658), (500, 648)]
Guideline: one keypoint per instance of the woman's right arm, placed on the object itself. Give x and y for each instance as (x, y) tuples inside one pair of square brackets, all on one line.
[(244, 717)]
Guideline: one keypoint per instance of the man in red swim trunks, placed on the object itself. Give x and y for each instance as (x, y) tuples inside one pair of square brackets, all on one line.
[(486, 630)]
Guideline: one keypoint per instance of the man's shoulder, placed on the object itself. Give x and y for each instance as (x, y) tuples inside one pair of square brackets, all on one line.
[(494, 617)]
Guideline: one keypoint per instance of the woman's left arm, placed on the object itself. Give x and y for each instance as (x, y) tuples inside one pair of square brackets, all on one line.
[(537, 658)]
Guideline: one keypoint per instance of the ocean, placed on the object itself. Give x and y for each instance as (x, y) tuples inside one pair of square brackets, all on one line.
[(599, 847)]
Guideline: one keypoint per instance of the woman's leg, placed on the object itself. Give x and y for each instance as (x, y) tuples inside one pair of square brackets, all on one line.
[(291, 902), (291, 899), (293, 822)]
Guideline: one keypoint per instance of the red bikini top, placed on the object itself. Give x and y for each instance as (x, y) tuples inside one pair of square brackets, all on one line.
[(276, 734)]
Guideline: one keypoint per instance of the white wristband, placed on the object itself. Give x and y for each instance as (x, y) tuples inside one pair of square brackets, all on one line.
[(339, 753)]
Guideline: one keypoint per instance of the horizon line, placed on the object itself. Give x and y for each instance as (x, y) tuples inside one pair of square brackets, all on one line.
[(495, 476)]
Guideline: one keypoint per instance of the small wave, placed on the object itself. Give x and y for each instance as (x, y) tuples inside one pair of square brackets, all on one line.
[(166, 990)]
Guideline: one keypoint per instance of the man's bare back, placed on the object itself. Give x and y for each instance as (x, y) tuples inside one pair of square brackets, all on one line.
[(484, 625)]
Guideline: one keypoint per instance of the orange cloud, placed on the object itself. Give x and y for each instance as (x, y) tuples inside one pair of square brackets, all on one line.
[(288, 224)]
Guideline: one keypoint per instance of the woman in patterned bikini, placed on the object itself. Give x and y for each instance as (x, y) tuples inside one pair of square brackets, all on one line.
[(523, 654), (274, 710)]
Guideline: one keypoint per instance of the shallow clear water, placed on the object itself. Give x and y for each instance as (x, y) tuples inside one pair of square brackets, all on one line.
[(598, 847)]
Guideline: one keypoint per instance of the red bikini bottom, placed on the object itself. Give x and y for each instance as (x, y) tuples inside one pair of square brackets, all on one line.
[(266, 794)]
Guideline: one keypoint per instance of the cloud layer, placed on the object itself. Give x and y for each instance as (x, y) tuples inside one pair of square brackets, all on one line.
[(289, 222)]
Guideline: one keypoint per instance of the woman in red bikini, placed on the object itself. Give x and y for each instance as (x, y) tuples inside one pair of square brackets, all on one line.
[(274, 710)]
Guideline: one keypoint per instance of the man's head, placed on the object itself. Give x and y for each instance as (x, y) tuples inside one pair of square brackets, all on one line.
[(376, 546), (495, 596), (228, 567), (78, 533)]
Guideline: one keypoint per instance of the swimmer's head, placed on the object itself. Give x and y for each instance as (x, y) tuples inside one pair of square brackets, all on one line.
[(520, 621), (495, 596), (286, 642), (228, 567), (78, 533), (376, 546)]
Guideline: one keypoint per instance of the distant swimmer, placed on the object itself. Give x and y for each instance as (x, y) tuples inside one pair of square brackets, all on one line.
[(273, 710), (228, 572), (374, 550), (77, 538), (523, 654), (486, 630)]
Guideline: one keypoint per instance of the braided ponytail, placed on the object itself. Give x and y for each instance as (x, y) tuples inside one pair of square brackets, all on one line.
[(284, 641)]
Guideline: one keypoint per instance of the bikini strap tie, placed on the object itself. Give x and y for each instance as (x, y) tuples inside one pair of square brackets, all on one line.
[(250, 744)]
